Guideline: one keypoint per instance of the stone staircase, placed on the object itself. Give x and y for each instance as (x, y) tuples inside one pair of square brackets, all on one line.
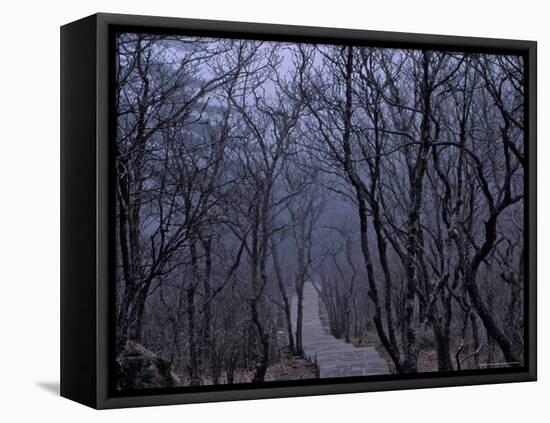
[(335, 357)]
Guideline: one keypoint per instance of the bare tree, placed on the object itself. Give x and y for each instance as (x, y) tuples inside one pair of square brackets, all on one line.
[(391, 179)]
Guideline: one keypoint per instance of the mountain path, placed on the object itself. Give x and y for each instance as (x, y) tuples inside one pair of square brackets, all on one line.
[(335, 357)]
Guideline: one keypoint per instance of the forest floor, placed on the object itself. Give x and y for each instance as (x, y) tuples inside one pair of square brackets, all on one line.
[(291, 368), (427, 358), (294, 368)]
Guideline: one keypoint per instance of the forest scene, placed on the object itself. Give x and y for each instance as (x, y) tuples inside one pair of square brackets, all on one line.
[(290, 211)]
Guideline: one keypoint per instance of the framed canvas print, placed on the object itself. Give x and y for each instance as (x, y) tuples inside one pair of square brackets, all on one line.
[(254, 211)]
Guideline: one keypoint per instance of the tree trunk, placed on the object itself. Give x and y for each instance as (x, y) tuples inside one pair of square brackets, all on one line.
[(193, 359), (493, 329), (261, 365), (191, 310), (444, 358), (299, 320)]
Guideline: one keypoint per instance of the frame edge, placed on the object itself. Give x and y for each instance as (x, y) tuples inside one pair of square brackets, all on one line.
[(77, 285)]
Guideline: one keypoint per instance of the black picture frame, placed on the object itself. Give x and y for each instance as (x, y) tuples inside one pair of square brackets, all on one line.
[(87, 210)]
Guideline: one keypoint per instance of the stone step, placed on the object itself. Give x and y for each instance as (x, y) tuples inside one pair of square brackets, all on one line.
[(335, 357)]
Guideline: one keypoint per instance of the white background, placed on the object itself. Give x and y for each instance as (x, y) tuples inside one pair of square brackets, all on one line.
[(29, 209)]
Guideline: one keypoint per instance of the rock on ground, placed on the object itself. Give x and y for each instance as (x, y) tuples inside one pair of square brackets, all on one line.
[(139, 368)]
